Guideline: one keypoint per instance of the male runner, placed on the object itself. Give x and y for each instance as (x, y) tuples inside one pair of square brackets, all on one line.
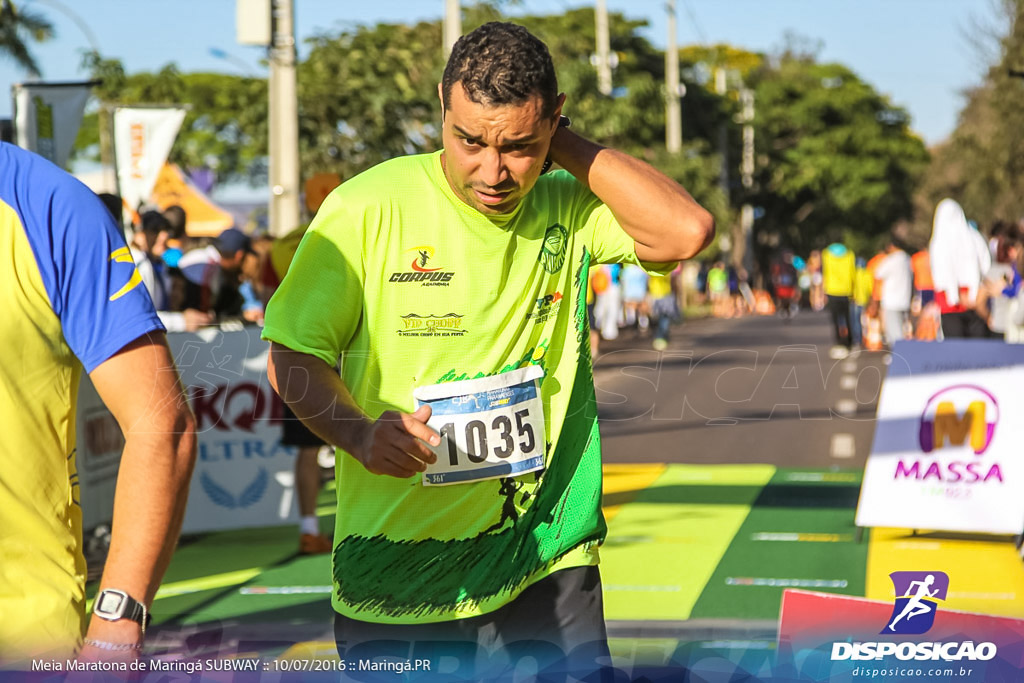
[(468, 264), (72, 297)]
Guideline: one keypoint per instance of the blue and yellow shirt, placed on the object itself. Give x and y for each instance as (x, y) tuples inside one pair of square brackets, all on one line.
[(70, 297)]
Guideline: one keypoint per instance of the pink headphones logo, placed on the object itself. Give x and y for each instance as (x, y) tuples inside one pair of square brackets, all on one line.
[(958, 414)]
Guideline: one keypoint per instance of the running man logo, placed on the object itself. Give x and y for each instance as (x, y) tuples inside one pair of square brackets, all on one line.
[(917, 596), (423, 255), (420, 272), (958, 414)]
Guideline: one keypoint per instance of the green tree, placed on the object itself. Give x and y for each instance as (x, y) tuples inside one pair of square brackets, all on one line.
[(225, 127), (18, 28), (982, 164), (835, 159)]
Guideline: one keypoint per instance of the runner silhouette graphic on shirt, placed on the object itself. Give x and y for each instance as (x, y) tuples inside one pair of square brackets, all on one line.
[(916, 605)]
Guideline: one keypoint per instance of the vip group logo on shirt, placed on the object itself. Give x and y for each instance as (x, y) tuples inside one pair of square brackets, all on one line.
[(423, 268), (448, 325), (917, 597)]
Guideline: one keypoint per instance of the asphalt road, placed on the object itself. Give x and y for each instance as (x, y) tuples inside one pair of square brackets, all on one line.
[(750, 390)]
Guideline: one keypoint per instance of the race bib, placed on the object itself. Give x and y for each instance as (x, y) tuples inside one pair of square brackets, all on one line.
[(490, 427)]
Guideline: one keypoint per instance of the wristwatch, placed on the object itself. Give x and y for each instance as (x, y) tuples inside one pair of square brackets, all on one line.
[(563, 122), (112, 604)]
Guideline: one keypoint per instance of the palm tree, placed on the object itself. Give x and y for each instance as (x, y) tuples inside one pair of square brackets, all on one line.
[(17, 28)]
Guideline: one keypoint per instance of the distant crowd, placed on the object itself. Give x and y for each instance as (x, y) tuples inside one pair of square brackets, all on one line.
[(223, 280), (961, 284)]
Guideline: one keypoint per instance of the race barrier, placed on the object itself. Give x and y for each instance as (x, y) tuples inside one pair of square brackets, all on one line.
[(243, 477), (946, 452)]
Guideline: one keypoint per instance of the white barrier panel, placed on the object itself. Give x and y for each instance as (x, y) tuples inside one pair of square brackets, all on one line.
[(243, 476), (948, 439)]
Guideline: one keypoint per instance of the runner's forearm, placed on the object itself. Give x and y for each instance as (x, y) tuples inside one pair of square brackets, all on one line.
[(318, 397)]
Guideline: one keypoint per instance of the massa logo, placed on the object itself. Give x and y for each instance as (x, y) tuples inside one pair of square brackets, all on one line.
[(424, 269), (960, 413), (552, 251)]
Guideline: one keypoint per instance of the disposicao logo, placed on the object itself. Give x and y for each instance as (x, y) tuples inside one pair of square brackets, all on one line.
[(917, 595), (964, 412), (913, 613)]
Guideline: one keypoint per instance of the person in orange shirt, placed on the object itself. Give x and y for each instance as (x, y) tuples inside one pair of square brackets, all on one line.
[(924, 288)]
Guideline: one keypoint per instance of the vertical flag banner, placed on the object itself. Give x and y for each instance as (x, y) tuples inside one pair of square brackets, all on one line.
[(47, 117), (946, 454), (143, 137)]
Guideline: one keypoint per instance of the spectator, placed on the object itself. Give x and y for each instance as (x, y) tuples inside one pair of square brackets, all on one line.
[(1002, 283), (896, 278), (214, 275), (863, 286), (839, 269), (959, 257), (634, 296), (664, 309)]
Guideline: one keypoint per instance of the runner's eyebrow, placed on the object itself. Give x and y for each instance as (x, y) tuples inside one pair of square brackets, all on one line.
[(510, 141)]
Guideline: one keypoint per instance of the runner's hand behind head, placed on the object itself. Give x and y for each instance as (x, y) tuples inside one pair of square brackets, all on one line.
[(394, 444)]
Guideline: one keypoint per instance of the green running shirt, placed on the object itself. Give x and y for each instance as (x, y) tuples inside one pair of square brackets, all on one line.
[(410, 286)]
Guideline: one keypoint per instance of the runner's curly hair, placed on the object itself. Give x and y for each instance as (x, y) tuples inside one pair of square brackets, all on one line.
[(501, 63)]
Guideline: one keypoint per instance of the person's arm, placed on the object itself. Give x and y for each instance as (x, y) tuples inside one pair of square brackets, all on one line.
[(393, 444), (662, 218), (140, 386)]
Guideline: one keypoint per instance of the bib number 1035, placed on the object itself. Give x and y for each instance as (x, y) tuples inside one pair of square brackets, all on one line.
[(490, 427), (480, 440)]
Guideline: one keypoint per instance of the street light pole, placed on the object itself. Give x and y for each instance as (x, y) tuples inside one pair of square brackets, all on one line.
[(603, 46), (283, 122), (673, 115), (452, 24)]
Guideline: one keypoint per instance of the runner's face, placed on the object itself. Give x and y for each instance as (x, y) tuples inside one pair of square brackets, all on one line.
[(493, 154)]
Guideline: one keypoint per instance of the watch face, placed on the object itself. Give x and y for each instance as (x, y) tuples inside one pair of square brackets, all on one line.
[(110, 603)]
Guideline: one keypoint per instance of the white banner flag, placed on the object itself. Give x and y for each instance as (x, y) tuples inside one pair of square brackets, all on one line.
[(47, 117), (142, 140)]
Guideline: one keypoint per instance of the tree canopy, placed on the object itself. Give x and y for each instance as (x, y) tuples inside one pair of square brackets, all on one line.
[(834, 158)]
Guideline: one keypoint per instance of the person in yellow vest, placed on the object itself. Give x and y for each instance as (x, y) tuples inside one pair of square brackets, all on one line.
[(839, 268), (863, 285)]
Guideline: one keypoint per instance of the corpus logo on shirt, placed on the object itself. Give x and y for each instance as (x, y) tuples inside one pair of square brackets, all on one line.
[(552, 251), (423, 269), (917, 596), (123, 255)]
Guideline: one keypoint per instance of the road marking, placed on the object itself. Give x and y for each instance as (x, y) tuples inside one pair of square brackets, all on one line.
[(846, 406), (208, 582), (737, 645), (786, 583), (843, 446), (845, 477), (284, 590), (801, 537), (848, 382)]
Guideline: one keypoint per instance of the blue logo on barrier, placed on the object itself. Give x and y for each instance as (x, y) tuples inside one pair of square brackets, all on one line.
[(917, 596), (249, 496)]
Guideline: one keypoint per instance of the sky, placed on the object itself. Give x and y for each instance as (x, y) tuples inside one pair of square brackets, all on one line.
[(918, 52)]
